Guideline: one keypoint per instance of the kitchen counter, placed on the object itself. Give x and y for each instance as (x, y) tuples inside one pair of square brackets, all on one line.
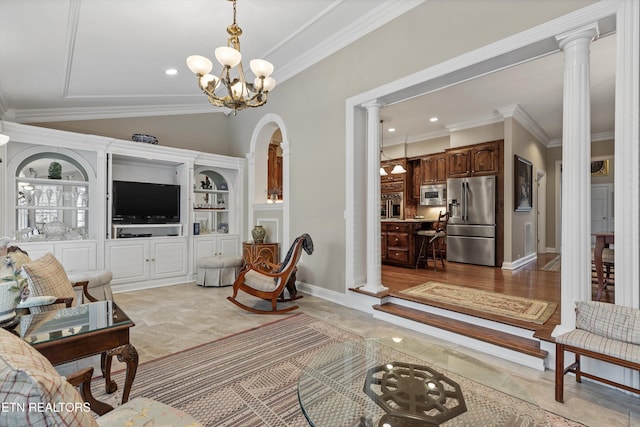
[(409, 220)]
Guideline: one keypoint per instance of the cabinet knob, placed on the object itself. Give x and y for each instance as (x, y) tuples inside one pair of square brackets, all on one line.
[(153, 259), (146, 260)]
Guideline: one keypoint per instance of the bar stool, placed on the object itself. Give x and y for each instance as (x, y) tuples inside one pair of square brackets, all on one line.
[(435, 239), (426, 236)]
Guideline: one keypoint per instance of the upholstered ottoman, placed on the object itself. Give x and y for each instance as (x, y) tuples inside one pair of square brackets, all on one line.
[(99, 284), (218, 270)]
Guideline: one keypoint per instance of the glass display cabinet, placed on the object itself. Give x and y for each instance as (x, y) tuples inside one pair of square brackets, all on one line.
[(51, 199)]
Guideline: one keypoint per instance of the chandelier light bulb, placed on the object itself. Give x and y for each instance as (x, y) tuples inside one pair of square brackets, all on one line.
[(266, 85), (261, 68), (239, 90), (199, 64), (209, 81), (228, 56)]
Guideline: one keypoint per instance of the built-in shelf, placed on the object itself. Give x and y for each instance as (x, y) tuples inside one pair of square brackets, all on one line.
[(146, 230)]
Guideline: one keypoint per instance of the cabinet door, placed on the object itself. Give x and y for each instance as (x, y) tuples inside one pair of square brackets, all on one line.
[(228, 245), (383, 246), (440, 168), (458, 163), (79, 256), (169, 258), (268, 252), (428, 170), (204, 247), (416, 179), (484, 160), (128, 261)]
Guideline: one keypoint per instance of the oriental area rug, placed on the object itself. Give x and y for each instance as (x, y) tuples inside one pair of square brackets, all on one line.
[(524, 309), (250, 379)]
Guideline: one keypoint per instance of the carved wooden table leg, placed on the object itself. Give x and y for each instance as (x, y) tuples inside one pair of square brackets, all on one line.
[(110, 386), (126, 353)]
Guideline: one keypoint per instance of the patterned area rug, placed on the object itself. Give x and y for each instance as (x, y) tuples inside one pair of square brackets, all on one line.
[(528, 310), (250, 379)]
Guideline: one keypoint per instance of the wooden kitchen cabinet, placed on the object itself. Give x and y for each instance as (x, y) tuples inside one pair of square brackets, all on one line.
[(474, 160), (416, 179), (434, 169), (398, 245)]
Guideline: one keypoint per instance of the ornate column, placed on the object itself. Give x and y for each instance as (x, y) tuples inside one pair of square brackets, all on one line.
[(374, 261), (576, 173)]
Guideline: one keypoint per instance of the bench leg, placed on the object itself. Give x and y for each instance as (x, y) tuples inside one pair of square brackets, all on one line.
[(577, 369), (559, 372)]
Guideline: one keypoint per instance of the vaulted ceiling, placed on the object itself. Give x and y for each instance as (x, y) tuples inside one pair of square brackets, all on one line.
[(82, 59)]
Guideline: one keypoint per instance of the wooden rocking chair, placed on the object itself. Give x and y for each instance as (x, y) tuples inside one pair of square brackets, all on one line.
[(265, 280)]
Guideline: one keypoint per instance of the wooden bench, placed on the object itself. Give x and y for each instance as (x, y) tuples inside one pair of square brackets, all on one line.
[(606, 332)]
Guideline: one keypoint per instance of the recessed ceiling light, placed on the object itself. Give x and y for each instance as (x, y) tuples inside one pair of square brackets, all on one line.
[(171, 72), (392, 129), (433, 119)]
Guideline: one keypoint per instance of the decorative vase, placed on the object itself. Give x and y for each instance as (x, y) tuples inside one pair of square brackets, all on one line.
[(258, 233), (10, 293), (55, 170)]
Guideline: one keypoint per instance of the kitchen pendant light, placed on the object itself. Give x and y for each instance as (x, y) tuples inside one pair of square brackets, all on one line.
[(398, 168), (235, 92)]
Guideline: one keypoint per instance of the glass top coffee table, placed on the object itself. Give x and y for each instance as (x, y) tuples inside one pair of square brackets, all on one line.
[(407, 383), (73, 333)]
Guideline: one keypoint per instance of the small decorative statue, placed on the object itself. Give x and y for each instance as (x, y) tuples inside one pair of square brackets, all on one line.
[(206, 184), (55, 170)]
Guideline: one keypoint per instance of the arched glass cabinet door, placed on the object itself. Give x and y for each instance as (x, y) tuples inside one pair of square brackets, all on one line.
[(52, 198)]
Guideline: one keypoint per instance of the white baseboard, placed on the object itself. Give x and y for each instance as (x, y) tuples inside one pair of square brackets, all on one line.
[(519, 262), (149, 284)]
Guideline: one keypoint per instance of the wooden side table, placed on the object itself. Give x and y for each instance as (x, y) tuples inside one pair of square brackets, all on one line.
[(268, 251)]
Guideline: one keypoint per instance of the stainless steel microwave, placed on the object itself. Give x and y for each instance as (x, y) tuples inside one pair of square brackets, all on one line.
[(433, 195)]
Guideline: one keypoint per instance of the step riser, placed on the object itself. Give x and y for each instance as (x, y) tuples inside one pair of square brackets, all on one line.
[(482, 346), (509, 329)]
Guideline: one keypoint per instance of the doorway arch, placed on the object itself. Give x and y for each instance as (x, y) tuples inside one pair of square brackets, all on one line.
[(274, 216)]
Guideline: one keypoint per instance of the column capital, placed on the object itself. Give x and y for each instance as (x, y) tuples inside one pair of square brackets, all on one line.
[(590, 32), (373, 104)]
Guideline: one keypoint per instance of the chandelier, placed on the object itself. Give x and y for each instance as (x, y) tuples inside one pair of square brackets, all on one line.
[(229, 91)]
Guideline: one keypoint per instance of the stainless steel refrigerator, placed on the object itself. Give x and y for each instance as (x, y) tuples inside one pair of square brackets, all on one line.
[(471, 230)]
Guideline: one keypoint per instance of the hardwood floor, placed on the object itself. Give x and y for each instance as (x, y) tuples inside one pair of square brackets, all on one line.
[(528, 281)]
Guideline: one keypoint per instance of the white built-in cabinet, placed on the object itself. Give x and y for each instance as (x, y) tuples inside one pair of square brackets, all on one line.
[(145, 259), (80, 200)]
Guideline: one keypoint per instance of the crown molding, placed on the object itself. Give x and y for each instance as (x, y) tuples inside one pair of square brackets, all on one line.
[(520, 115), (596, 137), (42, 115), (368, 22)]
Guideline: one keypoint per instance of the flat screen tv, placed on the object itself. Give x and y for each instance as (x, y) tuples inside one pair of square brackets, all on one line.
[(145, 203)]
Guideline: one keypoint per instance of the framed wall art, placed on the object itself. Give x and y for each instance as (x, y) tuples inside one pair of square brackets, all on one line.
[(522, 185), (600, 168)]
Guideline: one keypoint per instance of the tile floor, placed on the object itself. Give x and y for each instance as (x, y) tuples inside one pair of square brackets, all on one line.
[(174, 318)]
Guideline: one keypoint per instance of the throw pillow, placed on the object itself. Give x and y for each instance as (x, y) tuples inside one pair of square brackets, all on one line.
[(33, 393), (46, 276)]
